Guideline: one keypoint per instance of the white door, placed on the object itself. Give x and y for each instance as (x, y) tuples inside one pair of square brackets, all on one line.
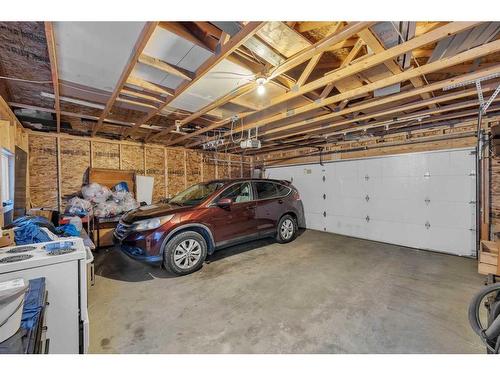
[(422, 200)]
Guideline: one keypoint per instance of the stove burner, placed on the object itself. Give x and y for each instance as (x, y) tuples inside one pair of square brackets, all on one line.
[(61, 251), (15, 258), (20, 249)]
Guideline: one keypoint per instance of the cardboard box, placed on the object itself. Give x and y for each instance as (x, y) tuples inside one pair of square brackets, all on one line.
[(41, 211), (7, 238)]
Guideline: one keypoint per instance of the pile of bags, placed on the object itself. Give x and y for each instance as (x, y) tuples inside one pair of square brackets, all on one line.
[(102, 201)]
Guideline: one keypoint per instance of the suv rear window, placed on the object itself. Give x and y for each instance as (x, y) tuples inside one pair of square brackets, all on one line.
[(266, 190)]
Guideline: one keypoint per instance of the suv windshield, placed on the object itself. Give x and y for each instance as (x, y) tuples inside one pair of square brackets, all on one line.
[(195, 194)]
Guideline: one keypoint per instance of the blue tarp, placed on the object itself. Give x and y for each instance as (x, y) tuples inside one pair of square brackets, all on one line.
[(28, 233)]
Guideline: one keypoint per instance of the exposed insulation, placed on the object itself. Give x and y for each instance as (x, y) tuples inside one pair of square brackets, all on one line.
[(75, 160), (133, 158), (155, 167), (193, 167), (105, 155), (43, 171), (176, 177)]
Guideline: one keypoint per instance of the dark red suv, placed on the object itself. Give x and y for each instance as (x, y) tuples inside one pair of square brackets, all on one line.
[(208, 216)]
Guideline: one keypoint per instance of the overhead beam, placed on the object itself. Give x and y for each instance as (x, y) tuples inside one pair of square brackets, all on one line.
[(319, 47), (348, 59), (179, 30), (225, 99), (164, 66), (140, 95), (452, 107), (372, 41), (471, 54), (366, 63), (308, 69), (139, 46), (392, 110), (146, 85), (234, 42), (51, 47)]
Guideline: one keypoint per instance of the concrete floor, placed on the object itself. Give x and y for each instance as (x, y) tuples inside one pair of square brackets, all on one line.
[(323, 293)]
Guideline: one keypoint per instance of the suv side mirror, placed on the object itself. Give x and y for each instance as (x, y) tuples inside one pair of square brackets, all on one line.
[(224, 202)]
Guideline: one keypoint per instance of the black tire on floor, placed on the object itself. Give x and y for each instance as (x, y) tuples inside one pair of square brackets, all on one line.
[(182, 239), (281, 235)]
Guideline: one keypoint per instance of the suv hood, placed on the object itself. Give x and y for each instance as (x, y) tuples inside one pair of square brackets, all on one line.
[(154, 210)]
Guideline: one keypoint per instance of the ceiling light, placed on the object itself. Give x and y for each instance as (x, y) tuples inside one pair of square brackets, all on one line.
[(261, 81)]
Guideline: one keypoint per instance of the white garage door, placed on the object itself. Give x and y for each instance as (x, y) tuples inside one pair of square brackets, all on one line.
[(422, 200)]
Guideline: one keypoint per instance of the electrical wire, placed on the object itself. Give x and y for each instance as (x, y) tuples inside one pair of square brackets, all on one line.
[(232, 130), (25, 80)]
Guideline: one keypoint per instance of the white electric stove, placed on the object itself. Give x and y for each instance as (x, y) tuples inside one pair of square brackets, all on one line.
[(63, 263)]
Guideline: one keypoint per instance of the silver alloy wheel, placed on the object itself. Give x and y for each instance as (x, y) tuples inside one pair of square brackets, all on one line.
[(286, 229), (187, 254)]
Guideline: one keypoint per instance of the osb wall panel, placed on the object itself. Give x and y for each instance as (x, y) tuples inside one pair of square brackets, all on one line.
[(247, 167), (133, 158), (193, 167), (43, 171), (75, 160), (495, 189), (105, 155), (235, 166), (176, 172), (155, 167), (222, 166), (208, 167)]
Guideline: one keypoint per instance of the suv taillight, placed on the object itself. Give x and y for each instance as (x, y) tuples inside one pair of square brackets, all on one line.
[(296, 195)]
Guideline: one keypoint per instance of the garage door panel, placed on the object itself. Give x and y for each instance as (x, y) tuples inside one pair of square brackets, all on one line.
[(450, 188), (451, 214), (370, 168), (347, 226), (449, 240), (422, 200), (315, 221), (396, 166), (347, 206)]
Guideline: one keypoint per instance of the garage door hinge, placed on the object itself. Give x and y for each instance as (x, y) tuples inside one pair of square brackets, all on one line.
[(324, 213), (367, 218), (472, 202), (472, 152), (472, 229), (427, 201), (472, 173), (427, 224), (324, 196), (367, 198)]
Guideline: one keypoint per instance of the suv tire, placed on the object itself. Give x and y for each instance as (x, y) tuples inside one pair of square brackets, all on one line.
[(287, 229), (185, 253)]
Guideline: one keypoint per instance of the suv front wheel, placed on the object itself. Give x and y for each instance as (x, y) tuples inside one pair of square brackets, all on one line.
[(287, 229), (185, 253)]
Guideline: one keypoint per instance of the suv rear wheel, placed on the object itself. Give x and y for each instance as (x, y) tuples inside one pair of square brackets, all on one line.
[(185, 253), (287, 229)]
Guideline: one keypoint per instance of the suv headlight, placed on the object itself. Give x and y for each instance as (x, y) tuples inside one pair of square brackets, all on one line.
[(149, 224)]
